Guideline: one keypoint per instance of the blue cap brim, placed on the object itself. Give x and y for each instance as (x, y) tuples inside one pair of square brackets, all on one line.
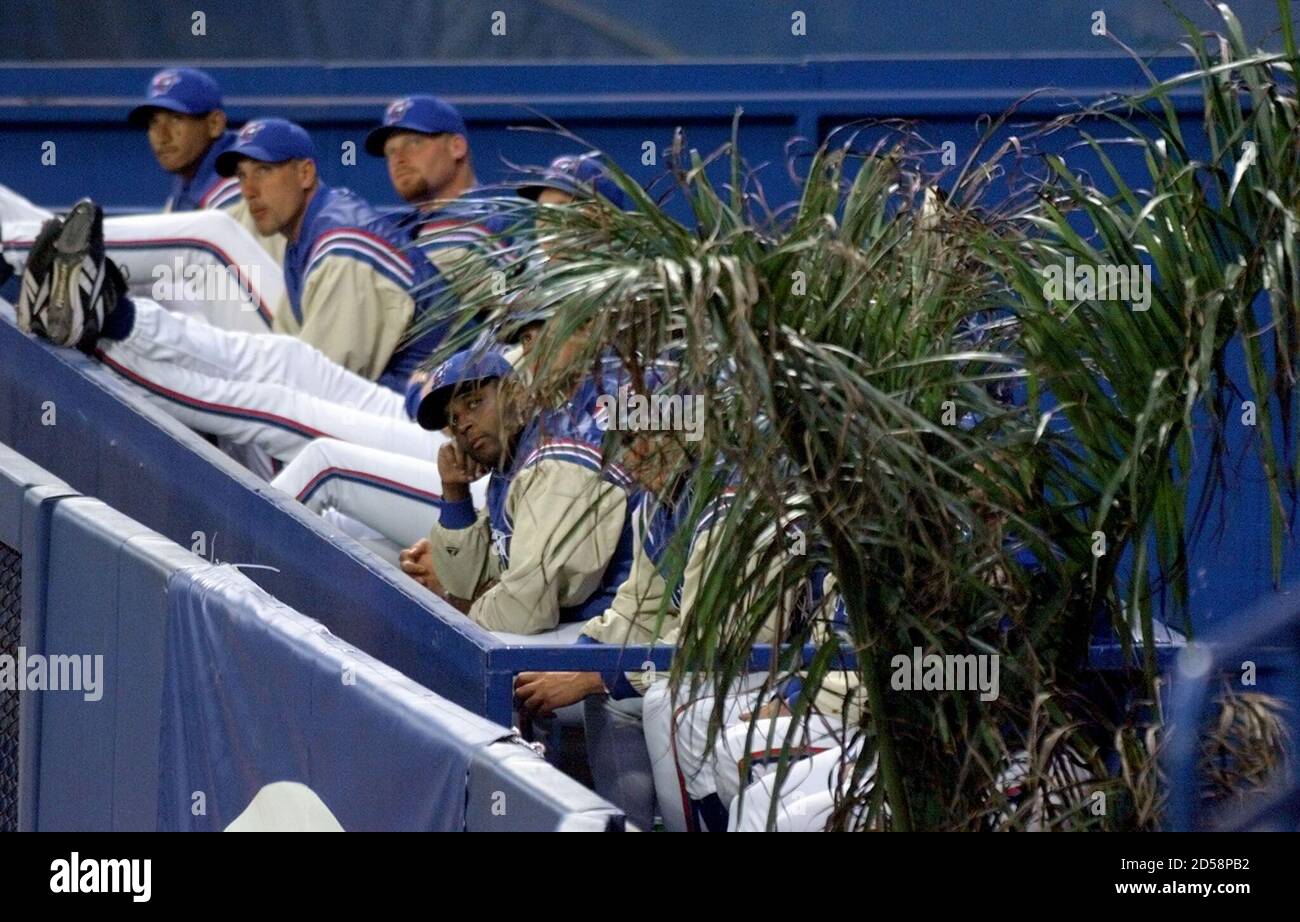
[(601, 188), (140, 115), (513, 326), (378, 136), (533, 188), (228, 161), (432, 412)]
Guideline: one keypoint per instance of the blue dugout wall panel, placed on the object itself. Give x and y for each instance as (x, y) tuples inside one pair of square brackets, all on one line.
[(207, 684)]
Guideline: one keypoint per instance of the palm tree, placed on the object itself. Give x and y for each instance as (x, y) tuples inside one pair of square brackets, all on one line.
[(987, 463)]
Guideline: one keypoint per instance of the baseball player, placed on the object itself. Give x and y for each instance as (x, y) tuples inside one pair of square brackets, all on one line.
[(677, 732), (554, 543), (350, 288), (183, 115), (190, 258), (554, 546), (644, 611), (397, 496), (461, 227)]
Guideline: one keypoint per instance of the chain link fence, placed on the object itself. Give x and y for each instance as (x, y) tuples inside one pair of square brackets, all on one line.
[(11, 595)]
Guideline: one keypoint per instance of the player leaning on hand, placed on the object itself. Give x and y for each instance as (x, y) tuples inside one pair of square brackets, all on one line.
[(554, 543)]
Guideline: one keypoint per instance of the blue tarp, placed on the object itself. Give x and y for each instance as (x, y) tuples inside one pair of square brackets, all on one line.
[(256, 693)]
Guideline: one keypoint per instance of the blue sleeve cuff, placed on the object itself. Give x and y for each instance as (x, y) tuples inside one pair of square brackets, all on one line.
[(793, 688), (616, 682), (620, 688), (457, 515)]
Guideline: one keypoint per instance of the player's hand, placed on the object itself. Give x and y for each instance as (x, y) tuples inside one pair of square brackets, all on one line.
[(774, 708), (457, 470), (541, 693), (417, 563)]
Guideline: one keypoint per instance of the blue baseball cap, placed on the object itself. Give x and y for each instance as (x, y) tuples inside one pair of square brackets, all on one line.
[(270, 140), (582, 176), (469, 366), (425, 114), (177, 89)]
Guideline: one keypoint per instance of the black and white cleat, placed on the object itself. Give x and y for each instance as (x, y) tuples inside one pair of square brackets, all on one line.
[(34, 291), (84, 284)]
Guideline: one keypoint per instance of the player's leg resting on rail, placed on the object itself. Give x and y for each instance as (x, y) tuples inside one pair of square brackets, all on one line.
[(395, 495), (200, 263)]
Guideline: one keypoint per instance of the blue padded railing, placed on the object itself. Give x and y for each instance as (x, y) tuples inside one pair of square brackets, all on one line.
[(209, 685)]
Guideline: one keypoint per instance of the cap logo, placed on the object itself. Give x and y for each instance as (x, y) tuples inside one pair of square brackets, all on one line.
[(396, 110), (162, 82), (249, 131)]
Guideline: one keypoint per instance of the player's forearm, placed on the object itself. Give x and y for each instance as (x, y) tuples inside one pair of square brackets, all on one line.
[(463, 605), (460, 544), (637, 614), (518, 605)]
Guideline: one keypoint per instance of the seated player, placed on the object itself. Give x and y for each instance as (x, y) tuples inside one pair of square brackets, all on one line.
[(644, 611), (677, 729), (554, 543), (352, 294)]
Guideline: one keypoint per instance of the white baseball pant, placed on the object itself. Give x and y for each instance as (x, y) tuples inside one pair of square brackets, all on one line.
[(806, 799), (201, 263), (763, 747), (273, 391), (676, 736), (396, 495)]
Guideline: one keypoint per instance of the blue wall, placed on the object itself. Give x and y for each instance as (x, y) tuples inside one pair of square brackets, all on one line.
[(550, 30), (614, 107)]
